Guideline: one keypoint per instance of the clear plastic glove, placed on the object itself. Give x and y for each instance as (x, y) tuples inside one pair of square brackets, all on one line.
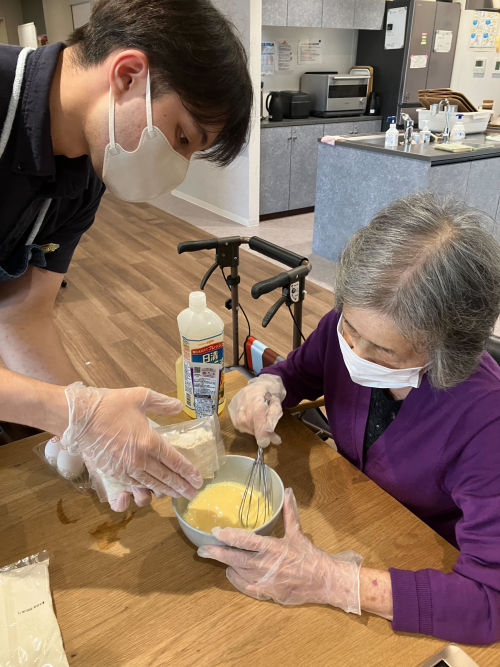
[(290, 570), (119, 495), (141, 496), (256, 409), (109, 428)]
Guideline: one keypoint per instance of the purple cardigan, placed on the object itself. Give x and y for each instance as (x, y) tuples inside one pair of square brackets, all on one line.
[(440, 458)]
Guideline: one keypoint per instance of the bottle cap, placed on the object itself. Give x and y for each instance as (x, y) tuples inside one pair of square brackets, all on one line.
[(198, 300)]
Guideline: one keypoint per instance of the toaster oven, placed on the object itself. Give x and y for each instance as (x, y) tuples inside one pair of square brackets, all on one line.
[(335, 94)]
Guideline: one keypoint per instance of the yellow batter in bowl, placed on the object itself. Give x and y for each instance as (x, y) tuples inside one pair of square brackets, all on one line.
[(219, 505)]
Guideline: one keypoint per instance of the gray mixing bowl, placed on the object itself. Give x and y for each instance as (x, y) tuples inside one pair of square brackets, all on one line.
[(236, 469)]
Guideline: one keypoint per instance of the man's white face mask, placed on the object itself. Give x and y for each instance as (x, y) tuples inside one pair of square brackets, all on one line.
[(368, 374), (153, 169)]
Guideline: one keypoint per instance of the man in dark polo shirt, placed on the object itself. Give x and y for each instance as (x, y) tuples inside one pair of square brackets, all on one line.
[(138, 90)]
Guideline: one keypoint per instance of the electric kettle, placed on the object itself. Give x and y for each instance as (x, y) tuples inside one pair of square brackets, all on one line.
[(274, 106)]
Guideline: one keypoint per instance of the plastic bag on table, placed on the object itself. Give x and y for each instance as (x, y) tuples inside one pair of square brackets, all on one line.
[(69, 466), (29, 632), (200, 441)]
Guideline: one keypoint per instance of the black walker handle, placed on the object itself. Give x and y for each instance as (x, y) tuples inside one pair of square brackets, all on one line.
[(192, 246), (281, 280), (275, 252)]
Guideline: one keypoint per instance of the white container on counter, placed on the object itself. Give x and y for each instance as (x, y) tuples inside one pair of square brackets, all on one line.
[(474, 121)]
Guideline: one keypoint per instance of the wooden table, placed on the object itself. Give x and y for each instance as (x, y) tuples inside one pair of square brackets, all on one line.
[(130, 591)]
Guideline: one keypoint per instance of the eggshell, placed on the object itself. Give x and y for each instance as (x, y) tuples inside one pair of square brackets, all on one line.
[(69, 465), (52, 449)]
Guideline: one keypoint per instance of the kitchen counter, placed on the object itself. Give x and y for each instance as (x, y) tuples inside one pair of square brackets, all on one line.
[(358, 177), (426, 152), (130, 590), (313, 120)]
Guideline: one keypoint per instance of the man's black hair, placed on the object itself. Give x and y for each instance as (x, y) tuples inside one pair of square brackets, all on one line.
[(192, 49)]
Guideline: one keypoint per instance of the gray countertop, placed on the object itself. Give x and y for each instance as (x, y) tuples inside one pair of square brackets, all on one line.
[(375, 143), (313, 120)]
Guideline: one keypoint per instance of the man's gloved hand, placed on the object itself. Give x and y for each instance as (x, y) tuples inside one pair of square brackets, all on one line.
[(109, 428), (256, 409), (290, 570)]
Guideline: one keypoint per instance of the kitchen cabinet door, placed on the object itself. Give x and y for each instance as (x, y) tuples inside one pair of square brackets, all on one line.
[(304, 162), (275, 150), (306, 13), (367, 127), (369, 14), (338, 13), (339, 129), (274, 12)]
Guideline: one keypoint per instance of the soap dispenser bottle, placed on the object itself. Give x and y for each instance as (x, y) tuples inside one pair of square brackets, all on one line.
[(458, 131), (392, 134), (425, 133)]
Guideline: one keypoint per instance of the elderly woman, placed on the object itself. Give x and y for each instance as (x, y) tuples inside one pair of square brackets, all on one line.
[(413, 400)]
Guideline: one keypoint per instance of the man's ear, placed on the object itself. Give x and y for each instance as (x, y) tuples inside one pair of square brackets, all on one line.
[(128, 72)]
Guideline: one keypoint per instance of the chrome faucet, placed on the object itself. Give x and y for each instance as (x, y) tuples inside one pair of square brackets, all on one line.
[(446, 131), (408, 128)]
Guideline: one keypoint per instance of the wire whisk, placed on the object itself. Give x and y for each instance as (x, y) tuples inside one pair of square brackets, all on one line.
[(257, 503)]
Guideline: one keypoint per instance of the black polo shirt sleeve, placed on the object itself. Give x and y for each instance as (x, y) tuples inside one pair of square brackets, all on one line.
[(76, 217)]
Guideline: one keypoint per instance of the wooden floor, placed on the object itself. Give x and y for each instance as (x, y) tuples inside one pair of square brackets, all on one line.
[(127, 284)]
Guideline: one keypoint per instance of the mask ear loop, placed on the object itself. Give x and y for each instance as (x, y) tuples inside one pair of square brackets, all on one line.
[(111, 118), (149, 110)]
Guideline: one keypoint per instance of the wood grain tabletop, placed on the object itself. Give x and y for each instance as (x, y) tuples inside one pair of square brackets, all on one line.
[(130, 591)]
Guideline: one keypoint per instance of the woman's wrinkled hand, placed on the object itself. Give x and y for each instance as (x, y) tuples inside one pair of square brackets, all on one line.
[(256, 409), (290, 570)]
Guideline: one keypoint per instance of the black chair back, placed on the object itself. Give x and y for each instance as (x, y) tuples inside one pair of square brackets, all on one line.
[(493, 347)]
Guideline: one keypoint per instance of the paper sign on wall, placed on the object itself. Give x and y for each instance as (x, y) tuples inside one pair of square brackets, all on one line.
[(267, 58), (284, 61), (484, 29), (395, 28), (442, 43), (418, 62), (310, 51)]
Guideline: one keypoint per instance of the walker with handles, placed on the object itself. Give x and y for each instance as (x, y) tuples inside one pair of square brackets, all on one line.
[(293, 292)]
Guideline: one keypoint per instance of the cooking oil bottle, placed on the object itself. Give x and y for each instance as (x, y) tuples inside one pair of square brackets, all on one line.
[(200, 368)]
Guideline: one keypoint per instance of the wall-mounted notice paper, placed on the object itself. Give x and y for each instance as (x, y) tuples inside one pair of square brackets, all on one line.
[(417, 62), (442, 43), (285, 57), (310, 51), (267, 58), (395, 28), (483, 35)]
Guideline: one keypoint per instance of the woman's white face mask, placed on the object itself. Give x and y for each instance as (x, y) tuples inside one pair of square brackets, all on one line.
[(153, 169), (368, 374)]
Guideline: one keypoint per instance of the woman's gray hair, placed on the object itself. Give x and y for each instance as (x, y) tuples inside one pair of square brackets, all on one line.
[(429, 264)]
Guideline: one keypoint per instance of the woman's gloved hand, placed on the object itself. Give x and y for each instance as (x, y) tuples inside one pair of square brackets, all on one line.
[(256, 409), (290, 570), (109, 428)]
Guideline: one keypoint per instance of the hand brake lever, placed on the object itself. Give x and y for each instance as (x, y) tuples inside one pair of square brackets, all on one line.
[(273, 310)]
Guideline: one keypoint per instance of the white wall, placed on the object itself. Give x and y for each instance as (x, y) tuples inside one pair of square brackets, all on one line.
[(11, 12), (58, 20), (232, 192), (81, 13), (338, 50), (477, 87)]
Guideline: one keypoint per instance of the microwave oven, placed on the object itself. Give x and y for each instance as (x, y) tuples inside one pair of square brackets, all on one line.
[(335, 94)]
